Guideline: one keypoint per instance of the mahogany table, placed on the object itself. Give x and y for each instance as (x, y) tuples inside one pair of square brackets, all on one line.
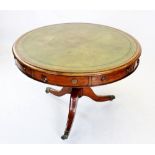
[(77, 56)]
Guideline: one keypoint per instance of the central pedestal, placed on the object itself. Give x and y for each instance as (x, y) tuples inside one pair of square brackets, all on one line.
[(76, 93)]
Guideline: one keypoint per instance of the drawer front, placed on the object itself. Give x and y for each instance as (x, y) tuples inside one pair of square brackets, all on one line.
[(77, 81)]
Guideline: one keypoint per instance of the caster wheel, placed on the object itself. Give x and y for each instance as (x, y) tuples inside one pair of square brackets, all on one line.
[(65, 136), (47, 90), (112, 97)]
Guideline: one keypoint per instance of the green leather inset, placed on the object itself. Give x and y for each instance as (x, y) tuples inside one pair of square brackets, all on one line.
[(76, 47)]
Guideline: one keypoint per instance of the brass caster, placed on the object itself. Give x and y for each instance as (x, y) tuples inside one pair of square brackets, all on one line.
[(65, 136), (112, 97), (47, 90)]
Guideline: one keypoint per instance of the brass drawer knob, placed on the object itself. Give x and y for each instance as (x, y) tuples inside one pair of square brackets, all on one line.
[(129, 69), (103, 77), (74, 81), (44, 78)]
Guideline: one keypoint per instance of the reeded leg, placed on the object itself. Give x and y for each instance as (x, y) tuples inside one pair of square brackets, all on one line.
[(63, 91), (87, 91), (75, 94)]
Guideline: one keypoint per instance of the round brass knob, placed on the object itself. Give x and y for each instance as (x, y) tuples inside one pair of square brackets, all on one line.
[(74, 81)]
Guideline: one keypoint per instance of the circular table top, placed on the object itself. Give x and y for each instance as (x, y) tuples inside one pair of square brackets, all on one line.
[(76, 48)]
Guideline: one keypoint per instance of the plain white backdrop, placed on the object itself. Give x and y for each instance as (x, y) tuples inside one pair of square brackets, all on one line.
[(29, 115)]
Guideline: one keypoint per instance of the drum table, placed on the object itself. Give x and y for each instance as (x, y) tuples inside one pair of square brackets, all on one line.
[(77, 56)]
